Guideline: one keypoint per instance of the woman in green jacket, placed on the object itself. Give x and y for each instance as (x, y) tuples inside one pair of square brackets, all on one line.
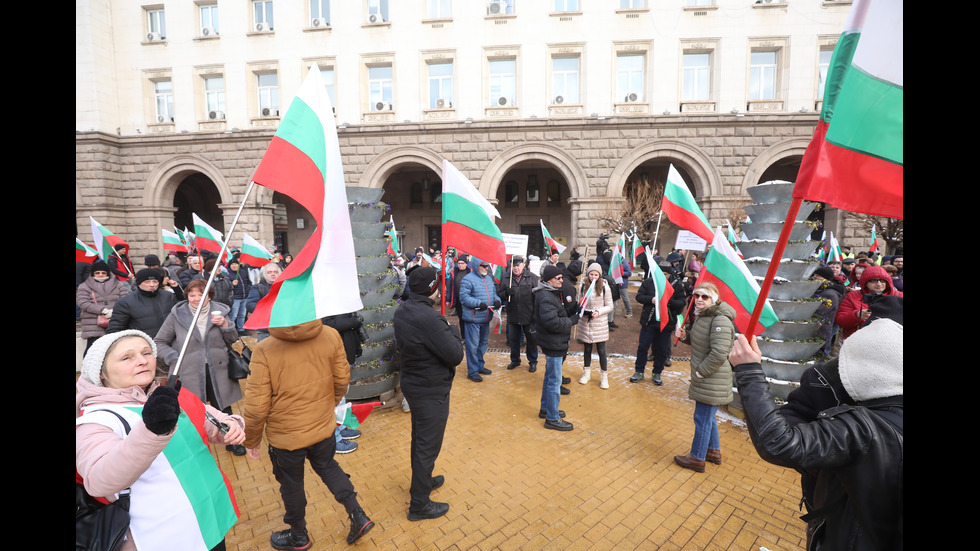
[(710, 335)]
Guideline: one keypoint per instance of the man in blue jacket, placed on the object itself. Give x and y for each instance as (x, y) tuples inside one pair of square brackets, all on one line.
[(478, 298)]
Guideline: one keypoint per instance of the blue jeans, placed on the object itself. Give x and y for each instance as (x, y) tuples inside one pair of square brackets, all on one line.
[(477, 338), (514, 333), (705, 430), (651, 334), (551, 387), (238, 313)]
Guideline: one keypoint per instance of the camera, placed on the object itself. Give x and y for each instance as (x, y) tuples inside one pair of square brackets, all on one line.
[(871, 298), (361, 332)]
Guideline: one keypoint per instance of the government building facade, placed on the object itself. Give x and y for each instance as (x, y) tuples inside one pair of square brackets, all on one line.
[(554, 109)]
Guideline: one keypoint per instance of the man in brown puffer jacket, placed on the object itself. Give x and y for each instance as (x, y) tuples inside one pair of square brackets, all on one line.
[(299, 374)]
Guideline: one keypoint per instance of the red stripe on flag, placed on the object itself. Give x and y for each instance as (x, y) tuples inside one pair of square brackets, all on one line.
[(726, 295), (253, 261), (286, 169), (205, 244), (686, 220), (475, 243)]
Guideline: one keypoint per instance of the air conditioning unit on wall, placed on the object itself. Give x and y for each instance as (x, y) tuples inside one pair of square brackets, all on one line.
[(208, 31), (320, 22), (270, 112), (497, 7), (152, 37), (216, 115)]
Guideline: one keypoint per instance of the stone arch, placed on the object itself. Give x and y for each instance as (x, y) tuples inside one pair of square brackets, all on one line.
[(164, 178), (793, 147), (382, 166), (566, 165), (696, 162)]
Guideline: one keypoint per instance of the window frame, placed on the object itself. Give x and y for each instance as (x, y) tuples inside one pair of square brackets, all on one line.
[(434, 9), (156, 21), (168, 96), (267, 15), (317, 13), (630, 73), (372, 101), (381, 7), (563, 74), (442, 82), (273, 94), (757, 83), (504, 81), (213, 16)]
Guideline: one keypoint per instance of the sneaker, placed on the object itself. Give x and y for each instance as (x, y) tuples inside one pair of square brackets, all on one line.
[(513, 365), (434, 509), (348, 433), (667, 363), (613, 325), (566, 380), (563, 391), (405, 407), (485, 371), (560, 424), (346, 446), (236, 449), (544, 415), (291, 539), (630, 315), (656, 379), (532, 368), (360, 524), (438, 481), (637, 377), (475, 378)]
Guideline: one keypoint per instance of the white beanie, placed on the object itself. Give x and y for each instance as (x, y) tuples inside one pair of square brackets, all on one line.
[(871, 361), (95, 357)]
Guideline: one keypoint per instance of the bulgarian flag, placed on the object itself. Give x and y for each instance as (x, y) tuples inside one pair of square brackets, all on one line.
[(585, 298), (681, 208), (253, 253), (206, 238), (173, 242), (393, 245), (736, 285), (664, 291), (303, 162), (733, 240), (105, 241), (874, 239), (834, 254), (186, 237), (616, 264), (84, 252), (638, 249), (352, 415), (855, 160), (468, 218), (549, 241)]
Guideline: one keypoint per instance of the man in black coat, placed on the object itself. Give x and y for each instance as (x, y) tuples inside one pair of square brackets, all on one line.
[(553, 329), (515, 288), (145, 308), (650, 331), (851, 454), (430, 349)]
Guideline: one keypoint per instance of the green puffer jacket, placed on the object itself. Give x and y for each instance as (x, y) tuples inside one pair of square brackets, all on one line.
[(711, 339)]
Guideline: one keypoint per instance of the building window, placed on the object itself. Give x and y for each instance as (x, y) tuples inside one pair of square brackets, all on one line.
[(439, 9), (511, 194), (163, 98), (697, 77), (632, 4), (156, 24), (327, 76), (503, 82), (263, 16), (825, 56), (695, 3), (566, 5), (532, 191), (554, 193), (377, 11), (209, 19), (501, 7), (440, 85), (629, 76), (268, 92), (319, 13), (762, 75), (214, 97), (380, 88), (565, 79)]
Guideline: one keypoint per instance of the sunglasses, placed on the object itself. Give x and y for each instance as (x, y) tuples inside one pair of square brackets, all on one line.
[(702, 297)]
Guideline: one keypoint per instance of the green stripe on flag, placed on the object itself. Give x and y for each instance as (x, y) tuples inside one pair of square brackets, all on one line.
[(722, 267), (870, 117), (301, 127), (294, 301), (458, 209)]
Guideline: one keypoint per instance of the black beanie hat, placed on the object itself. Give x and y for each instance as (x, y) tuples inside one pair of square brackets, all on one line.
[(148, 273), (422, 281), (549, 273)]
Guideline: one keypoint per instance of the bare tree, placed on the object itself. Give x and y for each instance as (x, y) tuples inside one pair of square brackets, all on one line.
[(639, 210), (890, 230)]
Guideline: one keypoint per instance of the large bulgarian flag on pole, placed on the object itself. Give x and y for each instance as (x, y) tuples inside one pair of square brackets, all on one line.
[(253, 253), (736, 285), (664, 291), (550, 241), (105, 241), (681, 208), (173, 242), (855, 160), (468, 218), (303, 162), (206, 238)]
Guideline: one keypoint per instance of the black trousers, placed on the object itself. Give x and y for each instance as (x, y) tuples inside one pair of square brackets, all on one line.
[(288, 467), (429, 417)]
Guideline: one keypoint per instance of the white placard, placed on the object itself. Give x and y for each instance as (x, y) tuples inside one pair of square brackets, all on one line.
[(689, 241), (515, 243)]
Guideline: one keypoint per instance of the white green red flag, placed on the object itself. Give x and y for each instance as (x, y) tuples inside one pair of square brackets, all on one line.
[(549, 241), (737, 286), (253, 253), (834, 254), (84, 252), (855, 160), (352, 415), (303, 162), (205, 237), (874, 239), (105, 241), (468, 218), (681, 208), (733, 240), (585, 297), (393, 248), (638, 250), (617, 261), (664, 291), (173, 242)]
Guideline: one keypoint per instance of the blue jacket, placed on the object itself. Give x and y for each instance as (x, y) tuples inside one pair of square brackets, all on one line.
[(475, 290)]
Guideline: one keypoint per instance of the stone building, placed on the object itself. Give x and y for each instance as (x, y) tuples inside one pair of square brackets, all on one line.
[(551, 108)]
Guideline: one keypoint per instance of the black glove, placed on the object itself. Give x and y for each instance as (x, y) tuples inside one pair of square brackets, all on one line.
[(161, 410), (496, 304), (574, 319), (511, 292), (587, 315), (482, 306)]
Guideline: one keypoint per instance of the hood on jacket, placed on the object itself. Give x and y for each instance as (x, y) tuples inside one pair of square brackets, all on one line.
[(301, 332), (720, 309), (876, 272)]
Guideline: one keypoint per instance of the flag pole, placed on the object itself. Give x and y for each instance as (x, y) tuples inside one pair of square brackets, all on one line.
[(777, 256), (172, 379), (656, 236)]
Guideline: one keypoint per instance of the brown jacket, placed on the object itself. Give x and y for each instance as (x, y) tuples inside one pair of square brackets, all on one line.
[(299, 375)]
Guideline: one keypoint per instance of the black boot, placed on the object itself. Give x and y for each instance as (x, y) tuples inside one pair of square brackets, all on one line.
[(291, 539), (360, 524)]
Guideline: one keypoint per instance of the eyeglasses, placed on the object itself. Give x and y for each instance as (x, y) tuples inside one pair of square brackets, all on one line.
[(702, 297), (881, 281)]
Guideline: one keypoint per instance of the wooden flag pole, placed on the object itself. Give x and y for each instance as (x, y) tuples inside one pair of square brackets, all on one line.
[(777, 256)]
